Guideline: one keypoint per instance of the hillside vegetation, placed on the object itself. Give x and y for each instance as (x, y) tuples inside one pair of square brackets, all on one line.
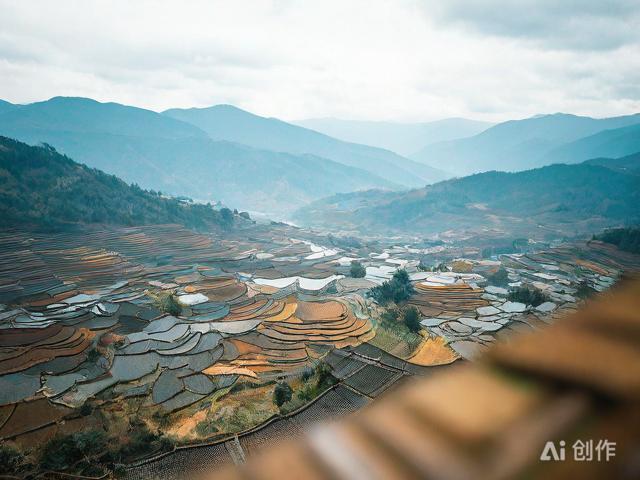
[(628, 164), (41, 187), (627, 239), (557, 195)]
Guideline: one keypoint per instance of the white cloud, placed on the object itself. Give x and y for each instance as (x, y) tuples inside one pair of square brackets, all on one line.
[(398, 60)]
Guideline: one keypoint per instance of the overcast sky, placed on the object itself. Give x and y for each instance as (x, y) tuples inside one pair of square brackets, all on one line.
[(379, 60)]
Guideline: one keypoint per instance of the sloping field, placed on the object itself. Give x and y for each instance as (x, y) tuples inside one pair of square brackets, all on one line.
[(159, 323), (83, 324), (451, 300)]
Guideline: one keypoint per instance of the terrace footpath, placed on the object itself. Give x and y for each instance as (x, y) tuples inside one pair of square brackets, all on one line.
[(562, 402)]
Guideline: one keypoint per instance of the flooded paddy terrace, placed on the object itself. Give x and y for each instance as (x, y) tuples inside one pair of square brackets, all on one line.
[(80, 325)]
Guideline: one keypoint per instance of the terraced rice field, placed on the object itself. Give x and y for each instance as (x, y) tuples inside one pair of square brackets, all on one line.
[(82, 323), (449, 300), (469, 317), (367, 362)]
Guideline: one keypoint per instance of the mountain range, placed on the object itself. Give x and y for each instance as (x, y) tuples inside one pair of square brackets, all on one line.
[(403, 138), (542, 140), (226, 122), (223, 153), (157, 151), (558, 198)]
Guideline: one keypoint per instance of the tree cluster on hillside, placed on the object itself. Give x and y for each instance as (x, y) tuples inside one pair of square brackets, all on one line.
[(499, 278), (396, 290), (282, 394), (553, 195), (406, 317), (627, 239), (11, 459), (41, 187), (527, 295), (357, 269), (168, 303), (74, 451)]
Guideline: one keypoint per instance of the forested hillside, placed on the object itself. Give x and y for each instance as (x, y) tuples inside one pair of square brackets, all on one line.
[(553, 195), (41, 187)]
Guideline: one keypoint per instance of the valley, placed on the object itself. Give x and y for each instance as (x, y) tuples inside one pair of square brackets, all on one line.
[(145, 334), (277, 240), (89, 343)]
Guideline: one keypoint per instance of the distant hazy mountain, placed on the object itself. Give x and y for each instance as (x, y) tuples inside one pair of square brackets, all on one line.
[(83, 115), (629, 164), (226, 122), (403, 138), (6, 106), (42, 188), (568, 198), (520, 144), (165, 154), (616, 142)]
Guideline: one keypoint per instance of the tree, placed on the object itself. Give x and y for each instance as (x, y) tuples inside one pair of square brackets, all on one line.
[(62, 452), (282, 394), (324, 375), (500, 278), (397, 290), (584, 290), (411, 317), (624, 238), (227, 217), (11, 460), (357, 269), (527, 295), (168, 303)]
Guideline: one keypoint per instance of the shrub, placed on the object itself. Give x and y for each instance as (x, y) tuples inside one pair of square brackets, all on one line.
[(11, 460), (392, 330), (168, 303), (119, 471), (306, 393), (142, 441), (282, 394), (324, 376), (527, 295), (93, 355), (206, 428), (85, 409), (411, 318), (62, 452), (398, 289), (357, 269), (307, 373), (500, 278), (226, 217), (584, 290)]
